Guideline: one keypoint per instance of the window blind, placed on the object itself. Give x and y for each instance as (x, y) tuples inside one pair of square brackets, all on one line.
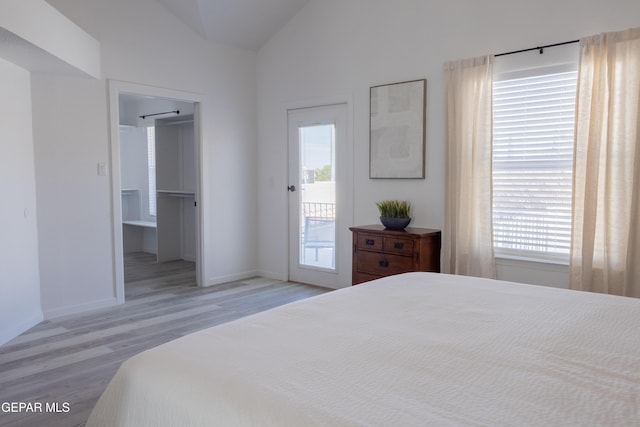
[(151, 162), (533, 129)]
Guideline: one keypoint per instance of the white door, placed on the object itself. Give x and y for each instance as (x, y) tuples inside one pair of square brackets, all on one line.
[(320, 196)]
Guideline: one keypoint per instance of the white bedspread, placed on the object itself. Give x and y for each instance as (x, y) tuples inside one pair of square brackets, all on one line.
[(418, 349)]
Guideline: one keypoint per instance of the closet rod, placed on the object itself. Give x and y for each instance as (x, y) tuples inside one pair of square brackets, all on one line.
[(540, 48), (157, 114)]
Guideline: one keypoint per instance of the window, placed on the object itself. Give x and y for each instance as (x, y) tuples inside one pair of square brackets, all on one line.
[(151, 168), (533, 133)]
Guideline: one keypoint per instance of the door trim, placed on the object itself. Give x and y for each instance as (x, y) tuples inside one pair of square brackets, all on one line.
[(346, 100), (115, 87)]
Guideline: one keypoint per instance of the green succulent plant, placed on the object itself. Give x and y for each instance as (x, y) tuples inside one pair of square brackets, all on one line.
[(394, 208)]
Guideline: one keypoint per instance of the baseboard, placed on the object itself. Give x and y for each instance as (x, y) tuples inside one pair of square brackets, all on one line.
[(272, 275), (12, 331), (231, 278), (79, 308)]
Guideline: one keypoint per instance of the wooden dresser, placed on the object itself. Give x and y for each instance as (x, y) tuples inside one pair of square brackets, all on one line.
[(378, 252)]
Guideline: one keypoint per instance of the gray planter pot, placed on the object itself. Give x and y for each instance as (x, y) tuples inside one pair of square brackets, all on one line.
[(395, 223)]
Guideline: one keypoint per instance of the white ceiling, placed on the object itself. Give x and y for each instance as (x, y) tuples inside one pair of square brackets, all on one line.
[(241, 23)]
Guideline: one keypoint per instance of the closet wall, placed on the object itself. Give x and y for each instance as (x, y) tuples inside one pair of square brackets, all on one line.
[(176, 188), (138, 227)]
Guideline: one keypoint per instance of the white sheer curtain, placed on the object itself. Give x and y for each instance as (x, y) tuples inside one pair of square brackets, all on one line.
[(605, 253), (467, 246)]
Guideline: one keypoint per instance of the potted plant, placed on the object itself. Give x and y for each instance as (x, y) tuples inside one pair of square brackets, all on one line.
[(394, 214)]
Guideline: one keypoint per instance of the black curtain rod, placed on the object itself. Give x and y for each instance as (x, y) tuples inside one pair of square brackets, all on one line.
[(157, 114), (540, 48)]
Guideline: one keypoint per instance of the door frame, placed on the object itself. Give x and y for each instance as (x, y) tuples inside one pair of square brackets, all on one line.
[(346, 100), (115, 87)]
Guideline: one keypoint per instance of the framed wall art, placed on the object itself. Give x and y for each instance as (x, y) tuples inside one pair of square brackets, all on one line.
[(397, 130)]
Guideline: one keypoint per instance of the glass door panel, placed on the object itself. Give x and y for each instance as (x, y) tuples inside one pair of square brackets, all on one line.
[(317, 184)]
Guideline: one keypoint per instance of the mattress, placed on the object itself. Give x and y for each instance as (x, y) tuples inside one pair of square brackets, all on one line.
[(409, 350)]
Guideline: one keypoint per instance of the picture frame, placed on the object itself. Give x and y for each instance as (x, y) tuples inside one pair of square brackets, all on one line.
[(397, 128)]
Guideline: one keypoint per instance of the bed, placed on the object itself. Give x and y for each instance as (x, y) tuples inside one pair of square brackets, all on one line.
[(413, 349)]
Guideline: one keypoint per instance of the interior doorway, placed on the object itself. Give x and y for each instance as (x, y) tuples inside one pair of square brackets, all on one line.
[(156, 182)]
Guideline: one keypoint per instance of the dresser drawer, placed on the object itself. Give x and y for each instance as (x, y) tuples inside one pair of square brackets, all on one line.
[(398, 246), (360, 277), (369, 242), (383, 264)]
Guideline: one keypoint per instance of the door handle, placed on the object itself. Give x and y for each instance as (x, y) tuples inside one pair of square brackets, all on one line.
[(291, 188)]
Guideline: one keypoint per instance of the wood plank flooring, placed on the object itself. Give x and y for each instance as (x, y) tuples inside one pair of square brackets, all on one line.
[(72, 359)]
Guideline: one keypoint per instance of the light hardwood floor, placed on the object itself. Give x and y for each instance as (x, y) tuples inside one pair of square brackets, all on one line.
[(72, 359)]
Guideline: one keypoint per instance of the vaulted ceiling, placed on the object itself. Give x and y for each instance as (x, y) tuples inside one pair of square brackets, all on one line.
[(241, 23)]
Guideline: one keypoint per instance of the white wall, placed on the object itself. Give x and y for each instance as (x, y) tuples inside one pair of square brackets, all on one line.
[(335, 47), (140, 43), (73, 201), (19, 274)]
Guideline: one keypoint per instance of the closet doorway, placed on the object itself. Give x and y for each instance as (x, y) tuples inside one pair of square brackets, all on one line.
[(156, 176)]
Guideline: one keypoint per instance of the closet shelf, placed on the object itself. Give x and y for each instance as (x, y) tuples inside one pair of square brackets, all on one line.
[(176, 193), (140, 223)]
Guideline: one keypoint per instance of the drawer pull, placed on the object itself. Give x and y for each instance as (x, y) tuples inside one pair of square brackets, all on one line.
[(369, 242), (398, 245), (383, 263)]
